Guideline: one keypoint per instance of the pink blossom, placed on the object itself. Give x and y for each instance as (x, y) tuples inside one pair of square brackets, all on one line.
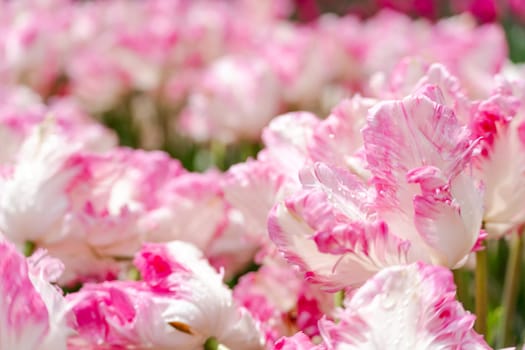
[(337, 140), (32, 310), (22, 110), (252, 188), (33, 39), (298, 341), (79, 127), (180, 303), (235, 246), (236, 98), (412, 74), (295, 306), (286, 139), (82, 263), (102, 203), (34, 198), (298, 55), (112, 194), (190, 208), (91, 72), (418, 141), (500, 163), (395, 36), (328, 229), (273, 175), (479, 62), (402, 306), (17, 117), (423, 204)]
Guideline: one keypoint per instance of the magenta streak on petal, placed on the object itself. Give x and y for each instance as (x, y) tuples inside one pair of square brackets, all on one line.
[(22, 306)]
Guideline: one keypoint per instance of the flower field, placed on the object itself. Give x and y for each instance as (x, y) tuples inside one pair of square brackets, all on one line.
[(262, 174)]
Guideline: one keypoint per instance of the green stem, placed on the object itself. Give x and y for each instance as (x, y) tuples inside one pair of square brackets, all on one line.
[(218, 152), (510, 289), (481, 278), (164, 123)]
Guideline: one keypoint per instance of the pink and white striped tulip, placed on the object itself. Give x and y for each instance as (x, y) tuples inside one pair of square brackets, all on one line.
[(295, 306), (180, 303), (237, 97), (423, 204), (500, 163), (32, 311), (400, 307), (33, 196), (418, 154), (338, 141)]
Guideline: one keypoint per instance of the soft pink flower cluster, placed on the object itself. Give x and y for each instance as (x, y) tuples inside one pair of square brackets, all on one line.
[(378, 200), (223, 69), (66, 187), (374, 204)]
